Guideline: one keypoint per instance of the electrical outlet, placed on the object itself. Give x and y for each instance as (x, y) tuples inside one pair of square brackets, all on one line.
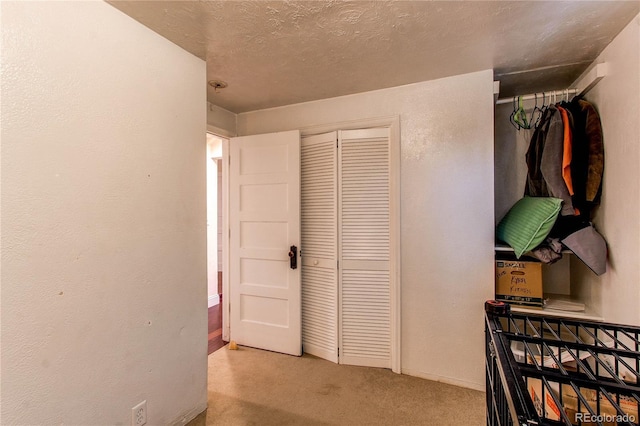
[(139, 414)]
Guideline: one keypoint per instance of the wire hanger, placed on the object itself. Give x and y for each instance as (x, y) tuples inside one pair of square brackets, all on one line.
[(535, 120), (520, 116), (513, 113), (533, 111)]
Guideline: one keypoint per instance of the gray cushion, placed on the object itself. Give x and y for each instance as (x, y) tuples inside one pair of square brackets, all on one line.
[(590, 247)]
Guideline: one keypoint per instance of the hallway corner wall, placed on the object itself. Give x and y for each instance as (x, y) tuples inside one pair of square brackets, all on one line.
[(103, 219)]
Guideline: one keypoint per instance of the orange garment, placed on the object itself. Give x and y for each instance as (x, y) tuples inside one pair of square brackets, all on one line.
[(567, 153)]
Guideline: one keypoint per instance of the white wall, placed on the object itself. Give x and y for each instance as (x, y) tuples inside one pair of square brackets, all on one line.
[(447, 211), (103, 219), (221, 121), (617, 98)]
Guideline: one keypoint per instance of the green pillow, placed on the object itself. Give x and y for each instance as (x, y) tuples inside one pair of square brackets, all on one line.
[(528, 223)]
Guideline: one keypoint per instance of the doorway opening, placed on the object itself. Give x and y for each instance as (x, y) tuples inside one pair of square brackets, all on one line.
[(214, 240)]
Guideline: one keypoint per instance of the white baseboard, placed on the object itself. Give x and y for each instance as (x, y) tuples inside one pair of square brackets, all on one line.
[(214, 300), (444, 379), (189, 415)]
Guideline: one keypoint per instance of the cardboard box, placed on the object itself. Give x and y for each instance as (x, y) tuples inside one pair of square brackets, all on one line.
[(545, 406), (519, 282), (607, 414)]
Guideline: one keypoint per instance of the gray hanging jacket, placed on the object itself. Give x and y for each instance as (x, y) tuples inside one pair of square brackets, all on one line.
[(544, 161), (551, 162)]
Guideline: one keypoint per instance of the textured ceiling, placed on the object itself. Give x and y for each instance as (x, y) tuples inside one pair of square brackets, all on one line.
[(274, 53)]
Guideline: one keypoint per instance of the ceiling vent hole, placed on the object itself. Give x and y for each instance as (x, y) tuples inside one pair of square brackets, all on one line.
[(218, 85)]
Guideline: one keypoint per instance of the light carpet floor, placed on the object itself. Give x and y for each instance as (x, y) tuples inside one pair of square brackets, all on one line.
[(254, 387)]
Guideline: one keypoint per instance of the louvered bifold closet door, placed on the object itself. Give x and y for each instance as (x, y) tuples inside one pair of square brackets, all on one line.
[(364, 214), (319, 225)]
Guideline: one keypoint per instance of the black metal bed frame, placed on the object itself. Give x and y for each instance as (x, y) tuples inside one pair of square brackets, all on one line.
[(586, 372)]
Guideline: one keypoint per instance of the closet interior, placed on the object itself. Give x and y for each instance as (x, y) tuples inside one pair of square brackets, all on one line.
[(538, 210)]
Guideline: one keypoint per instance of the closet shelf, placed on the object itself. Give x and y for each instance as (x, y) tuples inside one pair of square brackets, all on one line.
[(508, 249), (595, 75), (586, 315)]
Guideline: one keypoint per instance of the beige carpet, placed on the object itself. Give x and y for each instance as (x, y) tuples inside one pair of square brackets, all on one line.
[(254, 387)]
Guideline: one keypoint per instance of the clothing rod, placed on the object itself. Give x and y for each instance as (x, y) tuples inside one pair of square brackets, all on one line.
[(596, 74), (554, 93)]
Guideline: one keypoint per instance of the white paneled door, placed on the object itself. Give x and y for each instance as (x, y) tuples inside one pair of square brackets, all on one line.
[(264, 218)]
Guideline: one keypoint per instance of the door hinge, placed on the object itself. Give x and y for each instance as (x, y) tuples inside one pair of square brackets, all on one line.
[(338, 265)]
